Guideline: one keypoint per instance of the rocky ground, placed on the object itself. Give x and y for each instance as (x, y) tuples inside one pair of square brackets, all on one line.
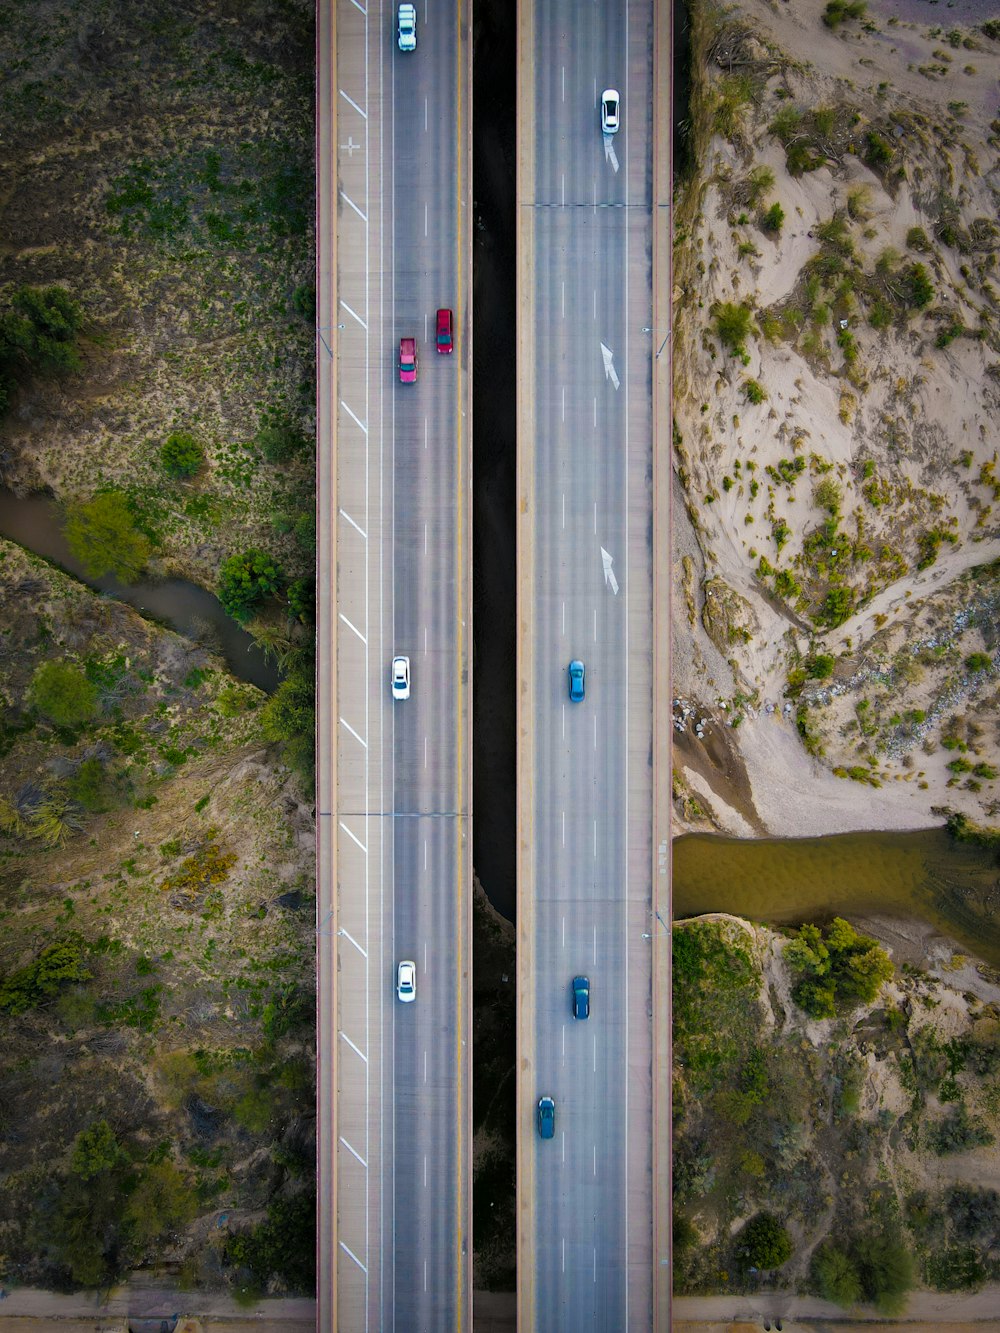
[(837, 389)]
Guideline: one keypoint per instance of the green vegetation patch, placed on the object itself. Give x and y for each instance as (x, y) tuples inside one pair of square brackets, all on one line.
[(835, 968)]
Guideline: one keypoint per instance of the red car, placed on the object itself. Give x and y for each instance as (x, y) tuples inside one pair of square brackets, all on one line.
[(445, 342), (408, 360)]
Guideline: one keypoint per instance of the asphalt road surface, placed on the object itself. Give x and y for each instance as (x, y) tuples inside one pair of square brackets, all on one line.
[(587, 1261), (394, 791)]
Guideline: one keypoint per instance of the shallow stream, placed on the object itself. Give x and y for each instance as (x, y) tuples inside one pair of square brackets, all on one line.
[(954, 886), (35, 522)]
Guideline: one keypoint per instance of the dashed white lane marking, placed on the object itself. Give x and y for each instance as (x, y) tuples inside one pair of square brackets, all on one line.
[(356, 316), (564, 300), (354, 628), (425, 219), (564, 721), (345, 514), (564, 844), (353, 837), (353, 1256), (425, 115), (357, 421), (595, 1159), (595, 518), (353, 1152), (351, 102), (354, 1048), (564, 928), (595, 414), (564, 1043), (425, 539), (595, 624), (348, 200), (564, 619), (564, 509), (425, 752), (564, 1254), (564, 403), (564, 83), (363, 744), (564, 189), (595, 731), (595, 839), (351, 940)]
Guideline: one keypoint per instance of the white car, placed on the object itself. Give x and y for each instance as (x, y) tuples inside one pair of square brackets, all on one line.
[(400, 677), (406, 981), (610, 111), (406, 20)]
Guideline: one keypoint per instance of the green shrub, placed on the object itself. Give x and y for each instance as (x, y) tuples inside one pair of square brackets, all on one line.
[(957, 1132), (181, 455), (772, 220), (839, 10), (305, 531), (836, 607), (58, 965), (280, 440), (756, 393), (103, 536), (885, 1267), (878, 150), (289, 717), (302, 600), (835, 1276), (732, 325), (304, 302), (919, 289), (763, 1243), (38, 333), (978, 662), (62, 692), (283, 1246), (96, 1149), (90, 786), (956, 1268), (162, 1203), (245, 580), (821, 666)]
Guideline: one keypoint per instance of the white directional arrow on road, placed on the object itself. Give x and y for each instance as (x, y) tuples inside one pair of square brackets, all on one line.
[(609, 152), (609, 574), (609, 365)]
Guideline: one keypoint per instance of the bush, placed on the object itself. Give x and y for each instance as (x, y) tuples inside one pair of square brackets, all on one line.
[(756, 393), (957, 1132), (279, 441), (289, 717), (302, 600), (978, 662), (283, 1246), (58, 965), (95, 1150), (90, 786), (821, 666), (839, 10), (835, 1276), (836, 607), (732, 325), (763, 1243), (63, 693), (181, 455), (304, 302), (305, 531), (919, 288), (956, 1268), (37, 335), (878, 151), (245, 580), (103, 536), (772, 220)]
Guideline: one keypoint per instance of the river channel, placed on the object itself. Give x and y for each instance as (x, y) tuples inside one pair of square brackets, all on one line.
[(35, 522), (952, 885)]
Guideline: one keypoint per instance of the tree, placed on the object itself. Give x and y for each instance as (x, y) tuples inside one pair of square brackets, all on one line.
[(96, 1149), (162, 1202), (772, 220), (835, 969), (245, 580), (103, 536), (302, 600), (885, 1267), (56, 966), (763, 1243), (63, 693), (181, 455), (37, 335), (279, 441), (289, 716), (836, 1276), (919, 288)]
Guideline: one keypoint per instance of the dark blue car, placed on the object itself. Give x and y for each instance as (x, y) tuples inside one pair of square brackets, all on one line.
[(576, 681), (581, 997), (546, 1118)]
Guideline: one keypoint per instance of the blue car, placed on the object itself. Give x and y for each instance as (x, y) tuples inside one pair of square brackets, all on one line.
[(546, 1118), (576, 681), (581, 997)]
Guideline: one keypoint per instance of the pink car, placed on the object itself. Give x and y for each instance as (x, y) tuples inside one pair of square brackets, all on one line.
[(408, 360)]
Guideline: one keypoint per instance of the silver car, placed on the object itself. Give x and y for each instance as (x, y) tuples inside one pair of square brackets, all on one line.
[(406, 22), (400, 678)]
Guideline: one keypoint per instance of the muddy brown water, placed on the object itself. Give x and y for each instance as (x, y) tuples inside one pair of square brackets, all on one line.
[(35, 522), (953, 886)]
